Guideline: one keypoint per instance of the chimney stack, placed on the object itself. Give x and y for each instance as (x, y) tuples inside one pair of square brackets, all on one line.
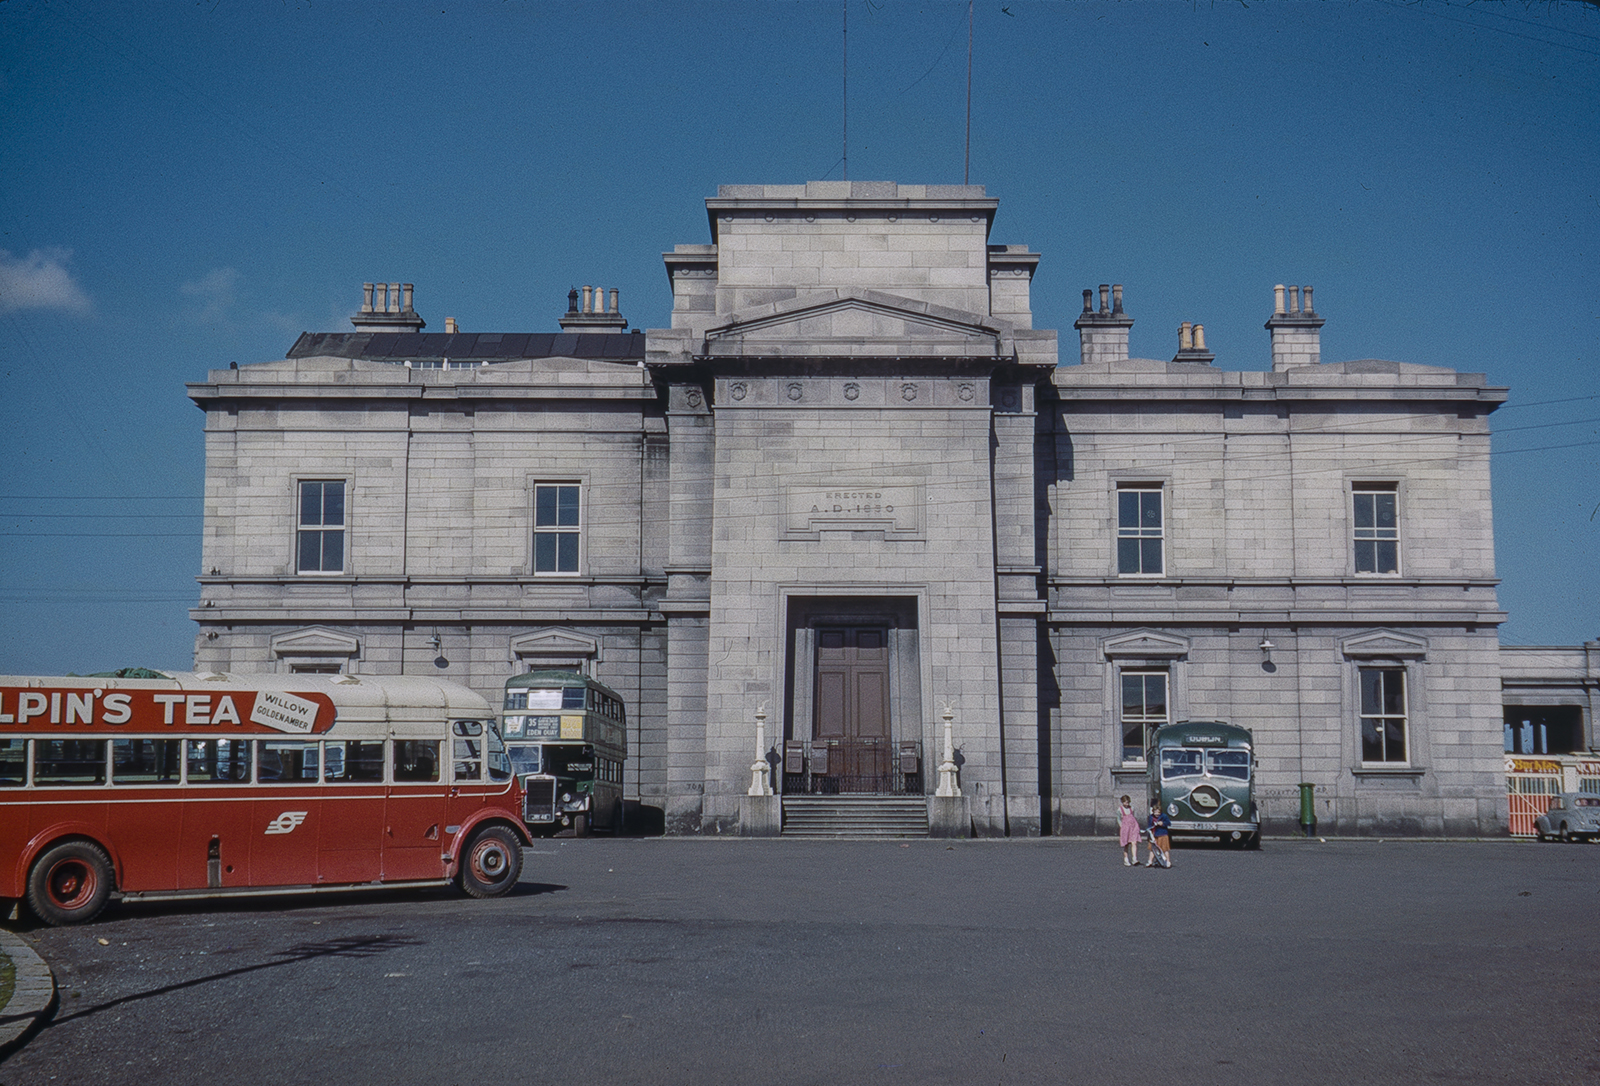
[(386, 307), (595, 315), (1103, 334), (1192, 345), (1296, 332)]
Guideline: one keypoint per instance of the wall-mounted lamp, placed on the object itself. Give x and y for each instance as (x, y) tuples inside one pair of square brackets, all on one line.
[(1266, 648), (435, 641)]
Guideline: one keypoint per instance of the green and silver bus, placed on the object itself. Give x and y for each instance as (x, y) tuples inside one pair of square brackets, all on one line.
[(1202, 774), (567, 738)]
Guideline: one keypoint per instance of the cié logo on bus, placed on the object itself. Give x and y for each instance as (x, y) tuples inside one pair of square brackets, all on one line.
[(47, 709)]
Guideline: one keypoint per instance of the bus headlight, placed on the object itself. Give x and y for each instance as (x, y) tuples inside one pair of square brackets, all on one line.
[(1237, 810)]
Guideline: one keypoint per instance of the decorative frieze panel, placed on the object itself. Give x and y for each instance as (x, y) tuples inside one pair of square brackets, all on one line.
[(856, 392)]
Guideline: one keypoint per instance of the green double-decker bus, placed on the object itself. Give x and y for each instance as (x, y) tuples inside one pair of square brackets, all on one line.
[(1202, 774), (567, 737)]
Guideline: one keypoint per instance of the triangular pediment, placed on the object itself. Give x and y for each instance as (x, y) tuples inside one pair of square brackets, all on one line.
[(1145, 644), (1385, 643), (860, 324), (551, 643), (315, 641)]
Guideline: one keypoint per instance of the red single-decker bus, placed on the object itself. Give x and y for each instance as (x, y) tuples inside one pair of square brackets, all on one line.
[(200, 784)]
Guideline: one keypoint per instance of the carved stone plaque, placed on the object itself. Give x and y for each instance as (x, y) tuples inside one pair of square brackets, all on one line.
[(892, 507)]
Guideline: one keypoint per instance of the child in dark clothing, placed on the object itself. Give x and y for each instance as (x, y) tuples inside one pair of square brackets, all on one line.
[(1160, 839)]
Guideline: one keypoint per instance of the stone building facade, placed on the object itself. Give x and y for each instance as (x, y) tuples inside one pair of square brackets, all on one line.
[(852, 487)]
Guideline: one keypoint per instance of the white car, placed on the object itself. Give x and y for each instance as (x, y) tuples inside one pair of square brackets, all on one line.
[(1573, 816)]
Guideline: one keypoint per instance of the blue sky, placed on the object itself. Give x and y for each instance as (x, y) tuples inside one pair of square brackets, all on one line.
[(186, 185)]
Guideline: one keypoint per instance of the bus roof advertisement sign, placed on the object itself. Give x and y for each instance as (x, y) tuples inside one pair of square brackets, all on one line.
[(45, 709), (284, 712)]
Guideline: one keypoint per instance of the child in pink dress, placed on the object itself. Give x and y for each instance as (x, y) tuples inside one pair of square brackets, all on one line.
[(1129, 833)]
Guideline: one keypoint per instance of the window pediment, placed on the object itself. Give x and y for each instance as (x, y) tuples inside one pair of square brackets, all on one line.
[(553, 644), (315, 641), (1388, 644), (1145, 645)]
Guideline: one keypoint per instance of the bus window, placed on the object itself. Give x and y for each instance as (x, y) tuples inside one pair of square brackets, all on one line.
[(416, 760), (69, 761), (13, 762), (515, 700), (468, 747), (1228, 763), (285, 761), (535, 699), (353, 760), (573, 697), (219, 761), (1180, 763), (524, 757), (499, 764), (145, 761)]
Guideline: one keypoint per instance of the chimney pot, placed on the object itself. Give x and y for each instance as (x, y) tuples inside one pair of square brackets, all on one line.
[(1309, 311), (1088, 298), (1199, 337), (450, 328), (1294, 300), (1105, 291), (406, 305), (366, 297), (1116, 299), (615, 309), (588, 299), (394, 297), (1185, 336), (1277, 300), (572, 300)]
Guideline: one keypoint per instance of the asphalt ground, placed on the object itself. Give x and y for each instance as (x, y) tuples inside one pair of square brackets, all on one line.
[(780, 961)]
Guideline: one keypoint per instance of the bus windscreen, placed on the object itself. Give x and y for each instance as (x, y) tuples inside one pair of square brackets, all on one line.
[(1180, 763)]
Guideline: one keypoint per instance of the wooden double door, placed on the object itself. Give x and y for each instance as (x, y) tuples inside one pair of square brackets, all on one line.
[(851, 698)]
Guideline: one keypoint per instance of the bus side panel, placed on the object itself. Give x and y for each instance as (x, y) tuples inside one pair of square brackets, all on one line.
[(13, 836), (283, 838), (216, 824), (145, 833), (351, 834)]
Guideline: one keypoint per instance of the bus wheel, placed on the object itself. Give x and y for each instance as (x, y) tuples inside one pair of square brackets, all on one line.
[(580, 824), (70, 883), (493, 863)]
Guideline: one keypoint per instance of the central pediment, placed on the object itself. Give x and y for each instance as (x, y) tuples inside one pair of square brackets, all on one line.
[(857, 324)]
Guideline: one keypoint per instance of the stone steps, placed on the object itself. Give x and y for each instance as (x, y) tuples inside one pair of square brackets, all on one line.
[(855, 816)]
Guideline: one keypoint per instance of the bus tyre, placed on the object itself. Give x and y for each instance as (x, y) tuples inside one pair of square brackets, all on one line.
[(580, 824), (493, 863), (70, 883)]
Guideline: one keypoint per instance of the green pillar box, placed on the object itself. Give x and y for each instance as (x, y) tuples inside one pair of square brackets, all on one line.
[(1308, 808)]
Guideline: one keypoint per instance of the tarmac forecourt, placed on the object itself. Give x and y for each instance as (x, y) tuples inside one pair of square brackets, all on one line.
[(723, 962)]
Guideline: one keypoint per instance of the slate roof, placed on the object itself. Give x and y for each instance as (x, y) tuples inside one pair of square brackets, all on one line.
[(400, 347)]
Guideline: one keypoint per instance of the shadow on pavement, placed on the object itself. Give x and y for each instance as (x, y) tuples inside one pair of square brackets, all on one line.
[(352, 946)]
